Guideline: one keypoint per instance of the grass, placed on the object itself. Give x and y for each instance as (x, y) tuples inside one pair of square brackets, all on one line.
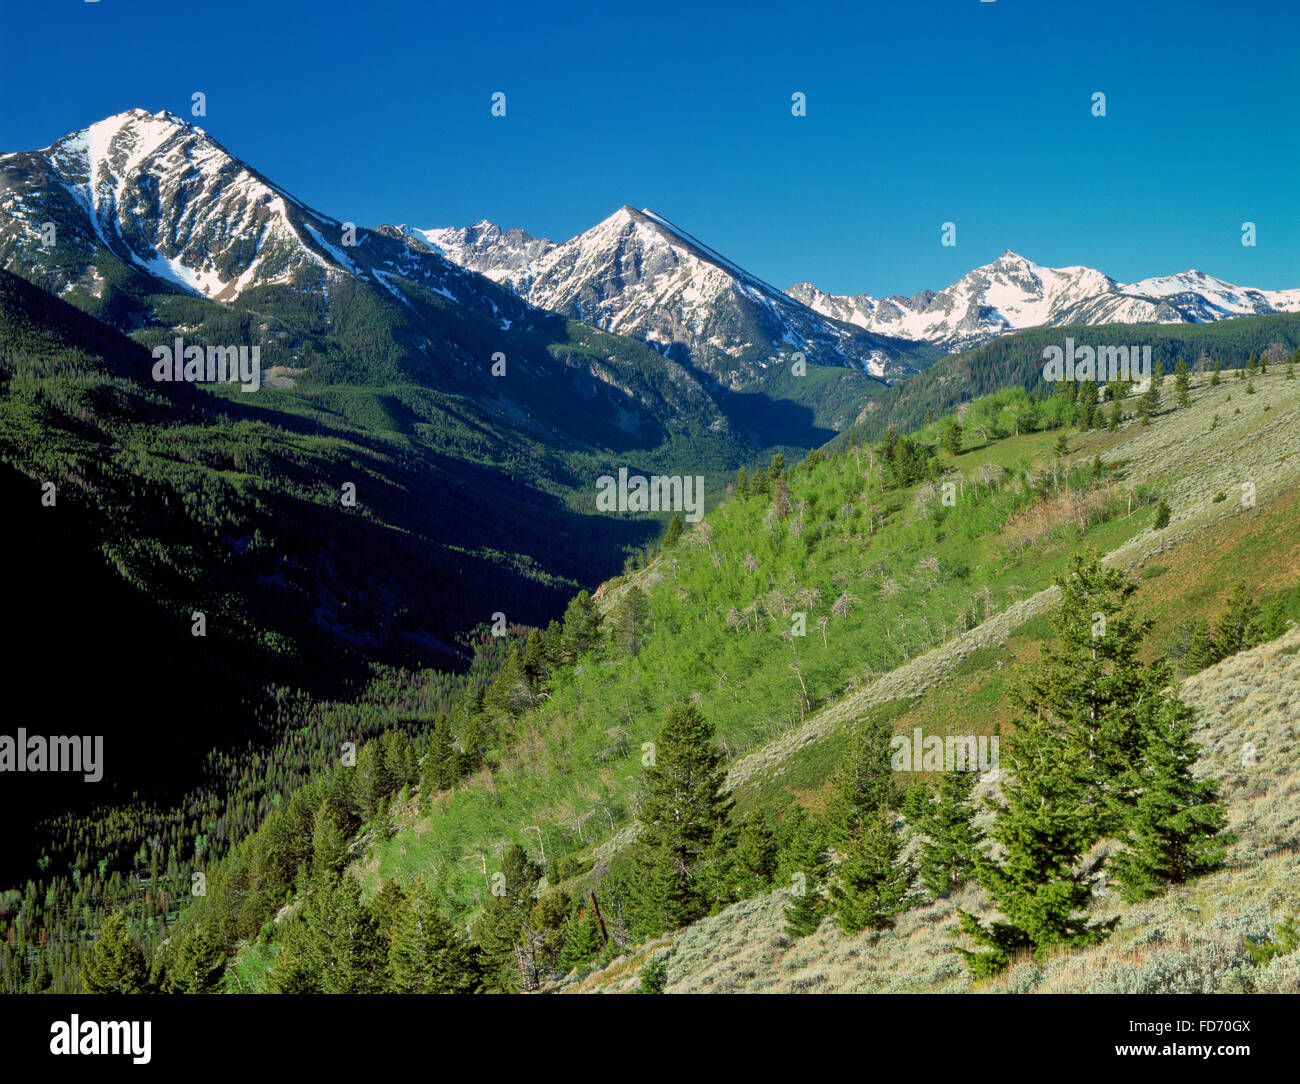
[(1190, 940), (910, 574)]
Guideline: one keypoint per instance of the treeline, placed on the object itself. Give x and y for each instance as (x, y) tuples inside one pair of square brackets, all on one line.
[(1017, 361)]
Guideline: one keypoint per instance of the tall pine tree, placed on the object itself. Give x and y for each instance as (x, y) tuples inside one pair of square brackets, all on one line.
[(683, 808)]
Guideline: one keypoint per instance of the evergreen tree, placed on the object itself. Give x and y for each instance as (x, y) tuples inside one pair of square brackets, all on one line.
[(501, 926), (581, 626), (116, 964), (1181, 386), (1044, 831), (510, 693), (1077, 732), (807, 865), (375, 781), (1237, 629), (329, 844), (1087, 405), (196, 960), (952, 839), (1173, 821), (535, 666), (863, 782), (425, 954), (343, 939), (582, 941), (756, 854), (631, 621), (673, 533), (777, 467), (683, 808), (952, 438), (1215, 379), (872, 881), (1151, 400), (1201, 651), (441, 762)]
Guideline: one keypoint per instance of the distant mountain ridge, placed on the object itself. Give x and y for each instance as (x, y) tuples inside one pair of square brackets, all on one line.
[(1013, 293), (637, 274)]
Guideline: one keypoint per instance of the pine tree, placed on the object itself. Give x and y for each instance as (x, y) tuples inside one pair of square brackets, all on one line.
[(441, 762), (952, 839), (116, 964), (1087, 407), (329, 844), (1173, 821), (756, 854), (195, 962), (581, 626), (952, 438), (631, 621), (673, 532), (863, 782), (1151, 400), (1181, 386), (510, 693), (807, 866), (1042, 825), (1162, 516), (535, 667), (425, 954), (1201, 651), (683, 808), (344, 939), (872, 881), (1062, 448), (1215, 379), (582, 941), (1237, 629), (375, 781), (501, 925), (777, 467), (1077, 732)]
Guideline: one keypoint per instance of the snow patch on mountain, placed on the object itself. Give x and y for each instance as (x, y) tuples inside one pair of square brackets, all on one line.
[(1013, 293)]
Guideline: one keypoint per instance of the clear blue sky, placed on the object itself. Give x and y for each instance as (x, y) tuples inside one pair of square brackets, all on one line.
[(918, 113)]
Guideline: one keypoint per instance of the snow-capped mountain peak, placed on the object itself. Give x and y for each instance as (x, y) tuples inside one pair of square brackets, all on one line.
[(167, 199), (1013, 293), (638, 273)]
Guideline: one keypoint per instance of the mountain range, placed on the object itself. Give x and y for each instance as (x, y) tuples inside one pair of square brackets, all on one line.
[(162, 198), (635, 272)]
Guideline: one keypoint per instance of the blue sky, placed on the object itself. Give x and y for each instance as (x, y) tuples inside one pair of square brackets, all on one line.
[(918, 114)]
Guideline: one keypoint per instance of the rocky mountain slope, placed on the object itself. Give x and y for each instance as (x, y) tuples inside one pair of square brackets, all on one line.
[(1013, 293), (636, 273)]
